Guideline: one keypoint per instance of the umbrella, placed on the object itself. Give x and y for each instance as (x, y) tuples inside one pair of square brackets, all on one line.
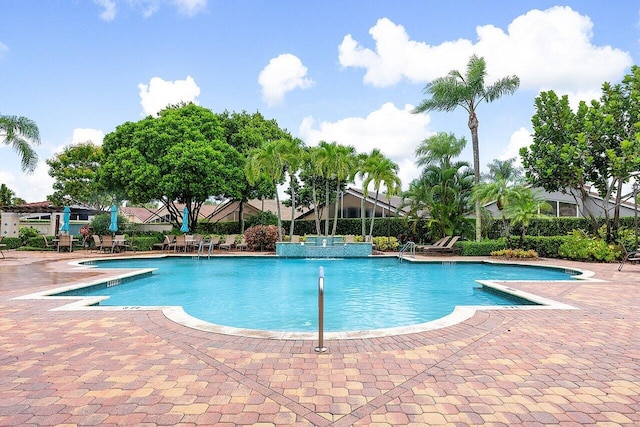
[(113, 227), (65, 219), (185, 220)]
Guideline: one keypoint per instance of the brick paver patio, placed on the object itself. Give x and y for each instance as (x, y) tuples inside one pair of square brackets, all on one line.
[(501, 367)]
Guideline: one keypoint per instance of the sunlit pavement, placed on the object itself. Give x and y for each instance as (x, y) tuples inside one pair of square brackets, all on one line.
[(501, 367)]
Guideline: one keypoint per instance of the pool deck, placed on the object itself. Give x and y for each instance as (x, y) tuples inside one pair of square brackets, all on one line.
[(500, 367)]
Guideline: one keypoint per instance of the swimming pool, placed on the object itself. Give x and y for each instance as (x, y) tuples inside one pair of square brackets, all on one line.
[(277, 294)]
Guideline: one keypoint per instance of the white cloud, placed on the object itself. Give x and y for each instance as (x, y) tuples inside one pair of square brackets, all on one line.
[(149, 7), (283, 74), (394, 131), (520, 138), (548, 49), (159, 93), (190, 7), (3, 48), (81, 135), (109, 9), (32, 188)]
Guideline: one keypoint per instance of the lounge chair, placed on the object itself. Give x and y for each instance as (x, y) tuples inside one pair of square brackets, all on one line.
[(440, 243), (446, 249), (209, 244), (242, 246), (633, 256), (229, 242)]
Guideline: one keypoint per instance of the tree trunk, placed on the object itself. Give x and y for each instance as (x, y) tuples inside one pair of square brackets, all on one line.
[(293, 206), (375, 205), (363, 215), (473, 126), (335, 209), (241, 215), (315, 208), (325, 210), (279, 218)]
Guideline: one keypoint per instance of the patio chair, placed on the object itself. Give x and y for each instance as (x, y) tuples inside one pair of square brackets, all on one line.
[(440, 243), (295, 238), (633, 256), (180, 244), (349, 238), (229, 242), (47, 244), (120, 243), (446, 249), (107, 243), (2, 246), (64, 241)]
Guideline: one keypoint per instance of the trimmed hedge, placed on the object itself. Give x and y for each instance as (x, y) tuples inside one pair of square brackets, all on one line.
[(482, 248), (12, 242)]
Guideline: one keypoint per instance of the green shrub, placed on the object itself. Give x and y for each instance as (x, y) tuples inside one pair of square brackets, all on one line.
[(36, 242), (145, 243), (12, 242), (386, 243), (482, 248), (515, 254), (580, 246), (545, 246), (27, 233)]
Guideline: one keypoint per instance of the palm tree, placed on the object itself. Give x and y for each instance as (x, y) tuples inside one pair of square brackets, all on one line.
[(324, 158), (21, 133), (524, 205), (293, 155), (384, 172), (468, 91), (267, 161), (365, 169), (343, 168)]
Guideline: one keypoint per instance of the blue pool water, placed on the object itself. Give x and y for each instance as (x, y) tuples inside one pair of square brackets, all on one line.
[(281, 294)]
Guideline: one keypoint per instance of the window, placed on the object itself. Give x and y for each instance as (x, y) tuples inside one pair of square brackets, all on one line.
[(559, 209)]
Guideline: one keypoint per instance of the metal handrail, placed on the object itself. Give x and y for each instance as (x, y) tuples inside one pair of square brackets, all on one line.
[(320, 348), (409, 246)]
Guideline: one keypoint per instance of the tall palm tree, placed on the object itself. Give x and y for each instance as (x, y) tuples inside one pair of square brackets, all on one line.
[(343, 168), (468, 91), (21, 133), (324, 159), (293, 156), (524, 205), (384, 172), (366, 169), (267, 161)]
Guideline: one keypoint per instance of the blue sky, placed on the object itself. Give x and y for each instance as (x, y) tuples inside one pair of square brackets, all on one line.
[(345, 71)]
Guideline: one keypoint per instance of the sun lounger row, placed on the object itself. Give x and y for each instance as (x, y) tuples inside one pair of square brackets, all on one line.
[(442, 246)]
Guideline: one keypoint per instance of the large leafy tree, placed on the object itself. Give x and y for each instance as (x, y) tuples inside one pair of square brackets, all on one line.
[(180, 156), (596, 144), (246, 132), (75, 171), (467, 91), (21, 133)]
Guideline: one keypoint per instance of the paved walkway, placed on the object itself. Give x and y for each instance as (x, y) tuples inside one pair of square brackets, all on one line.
[(502, 367)]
